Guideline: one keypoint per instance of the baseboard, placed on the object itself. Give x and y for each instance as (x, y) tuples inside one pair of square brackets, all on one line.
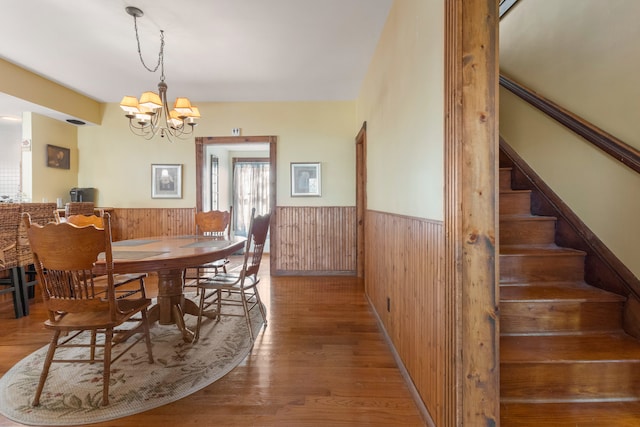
[(350, 273), (424, 412)]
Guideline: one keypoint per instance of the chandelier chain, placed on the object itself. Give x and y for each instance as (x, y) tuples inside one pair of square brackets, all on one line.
[(160, 63)]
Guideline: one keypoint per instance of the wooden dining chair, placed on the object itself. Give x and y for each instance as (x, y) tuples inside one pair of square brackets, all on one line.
[(214, 224), (40, 213), (64, 256), (241, 286), (120, 280), (9, 221)]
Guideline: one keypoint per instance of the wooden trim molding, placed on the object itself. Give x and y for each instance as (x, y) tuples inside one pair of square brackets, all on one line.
[(452, 227), (608, 143), (361, 197), (471, 210)]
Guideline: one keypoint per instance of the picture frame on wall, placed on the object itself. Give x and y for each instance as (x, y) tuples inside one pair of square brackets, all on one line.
[(166, 181), (58, 157), (306, 179)]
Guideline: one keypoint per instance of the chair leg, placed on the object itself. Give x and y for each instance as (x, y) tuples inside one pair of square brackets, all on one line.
[(92, 351), (18, 297), (147, 333), (45, 369), (219, 301), (106, 374), (200, 311), (247, 317), (263, 311), (25, 286), (197, 281)]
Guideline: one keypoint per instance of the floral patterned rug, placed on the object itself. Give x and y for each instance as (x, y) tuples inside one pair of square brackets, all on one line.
[(73, 392)]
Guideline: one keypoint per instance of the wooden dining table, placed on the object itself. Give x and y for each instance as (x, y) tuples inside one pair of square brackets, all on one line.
[(169, 257)]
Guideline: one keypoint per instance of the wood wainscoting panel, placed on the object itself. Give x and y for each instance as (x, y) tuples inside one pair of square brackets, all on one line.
[(315, 240), (135, 223), (404, 283)]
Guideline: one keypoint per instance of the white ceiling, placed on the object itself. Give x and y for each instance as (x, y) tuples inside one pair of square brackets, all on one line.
[(215, 50)]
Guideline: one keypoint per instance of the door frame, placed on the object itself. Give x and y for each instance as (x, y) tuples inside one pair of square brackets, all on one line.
[(361, 198), (201, 144)]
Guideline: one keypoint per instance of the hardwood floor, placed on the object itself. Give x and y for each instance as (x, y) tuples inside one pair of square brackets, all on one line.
[(321, 361)]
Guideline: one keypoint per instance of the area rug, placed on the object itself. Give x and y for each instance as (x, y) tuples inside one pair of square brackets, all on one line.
[(72, 393)]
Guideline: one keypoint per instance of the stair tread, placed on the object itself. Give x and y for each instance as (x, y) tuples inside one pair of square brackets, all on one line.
[(575, 414), (556, 291), (512, 191), (543, 249), (609, 347), (526, 217)]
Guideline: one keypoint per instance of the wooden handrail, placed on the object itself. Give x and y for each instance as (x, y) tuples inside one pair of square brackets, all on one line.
[(505, 5), (601, 139)]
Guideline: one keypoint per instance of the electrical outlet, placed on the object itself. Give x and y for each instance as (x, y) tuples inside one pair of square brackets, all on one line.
[(235, 131)]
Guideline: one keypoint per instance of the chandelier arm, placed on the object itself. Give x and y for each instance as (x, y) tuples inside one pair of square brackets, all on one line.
[(140, 130)]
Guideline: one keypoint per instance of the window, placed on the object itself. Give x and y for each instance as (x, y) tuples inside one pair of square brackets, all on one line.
[(250, 190), (215, 191)]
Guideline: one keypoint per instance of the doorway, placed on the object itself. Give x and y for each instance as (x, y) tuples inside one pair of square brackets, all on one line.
[(215, 176)]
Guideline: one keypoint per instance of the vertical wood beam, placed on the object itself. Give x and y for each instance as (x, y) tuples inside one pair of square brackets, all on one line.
[(471, 213)]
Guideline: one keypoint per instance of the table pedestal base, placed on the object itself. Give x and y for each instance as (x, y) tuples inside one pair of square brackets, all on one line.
[(172, 305)]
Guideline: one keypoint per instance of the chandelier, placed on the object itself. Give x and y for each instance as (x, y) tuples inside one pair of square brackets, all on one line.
[(150, 115)]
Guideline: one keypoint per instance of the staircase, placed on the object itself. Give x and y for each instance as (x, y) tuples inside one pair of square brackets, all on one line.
[(564, 357)]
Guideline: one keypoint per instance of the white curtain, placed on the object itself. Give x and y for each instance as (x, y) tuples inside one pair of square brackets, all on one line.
[(250, 190)]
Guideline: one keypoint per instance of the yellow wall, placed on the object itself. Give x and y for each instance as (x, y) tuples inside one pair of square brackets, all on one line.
[(51, 183), (553, 48), (582, 54), (402, 101), (23, 84), (118, 163)]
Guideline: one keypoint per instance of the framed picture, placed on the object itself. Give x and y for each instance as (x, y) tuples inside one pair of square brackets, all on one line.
[(306, 179), (166, 181), (58, 157)]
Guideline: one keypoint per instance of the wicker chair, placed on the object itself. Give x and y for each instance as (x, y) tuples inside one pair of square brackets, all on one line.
[(40, 213), (9, 221), (79, 208)]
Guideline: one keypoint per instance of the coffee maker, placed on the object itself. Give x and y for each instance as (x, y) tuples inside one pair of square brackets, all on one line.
[(82, 194)]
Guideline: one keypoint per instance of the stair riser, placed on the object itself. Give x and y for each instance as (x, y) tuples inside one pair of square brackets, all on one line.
[(515, 203), (525, 231), (505, 179), (583, 414), (570, 381), (559, 316), (536, 268)]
